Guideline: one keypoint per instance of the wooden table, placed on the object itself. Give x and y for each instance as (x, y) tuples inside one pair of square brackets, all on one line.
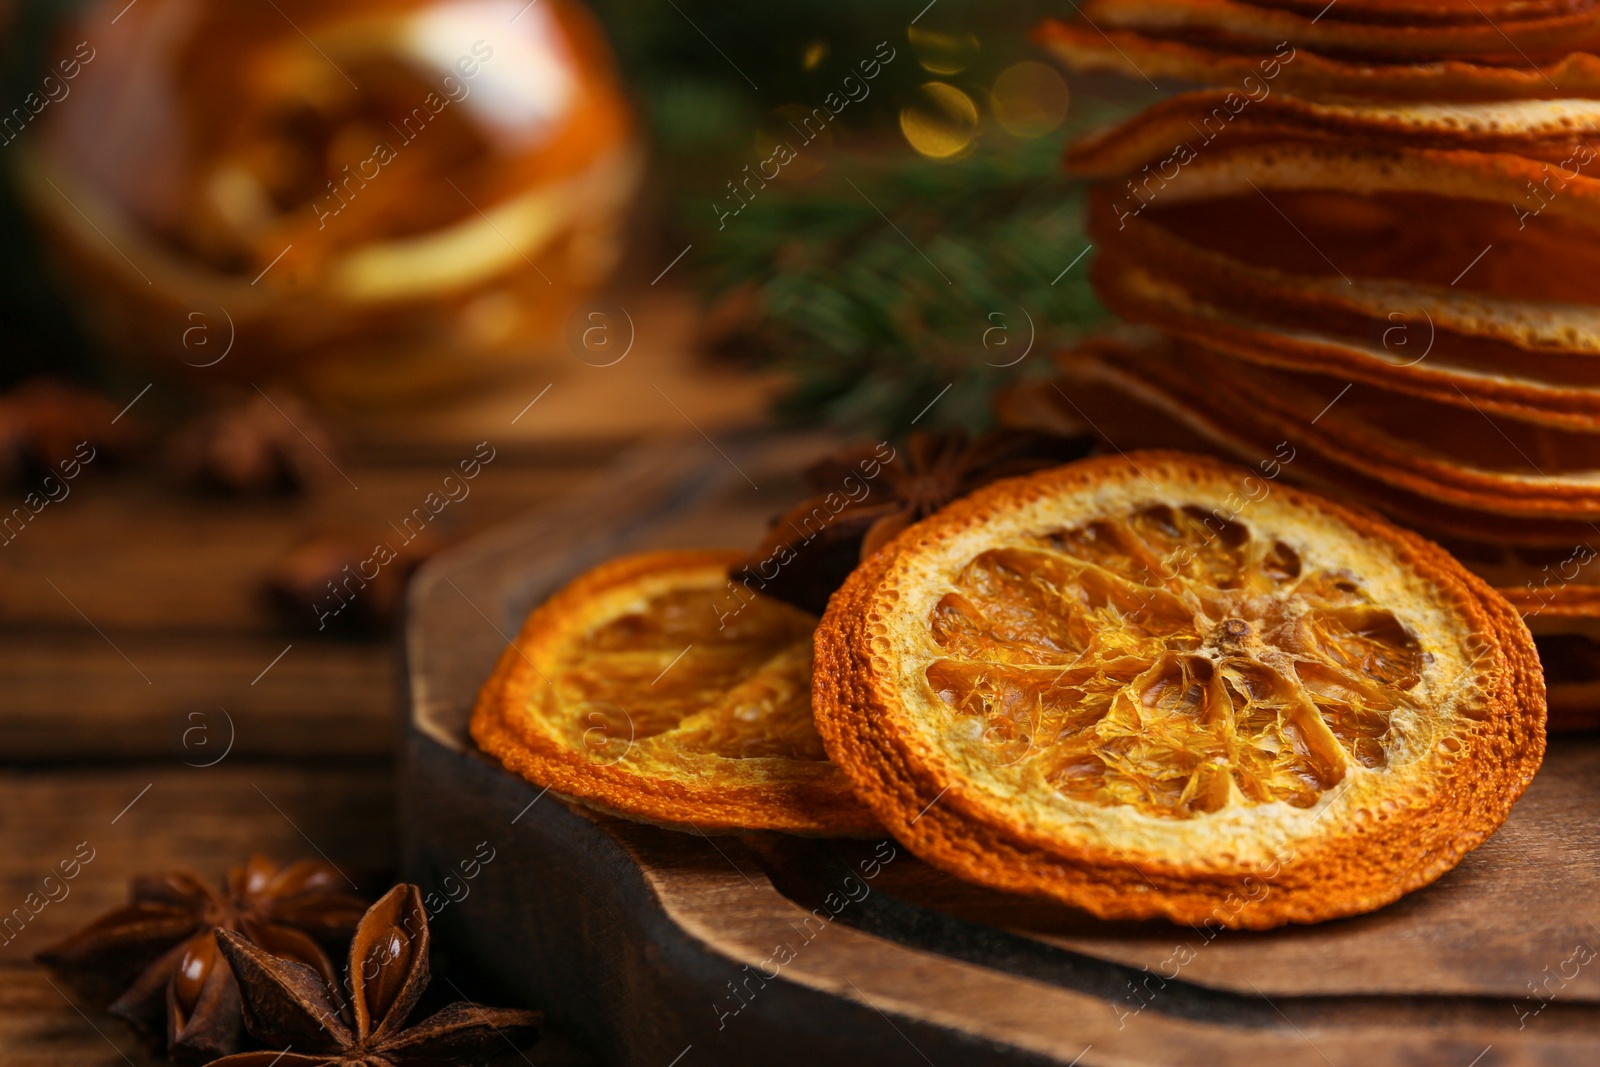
[(131, 617)]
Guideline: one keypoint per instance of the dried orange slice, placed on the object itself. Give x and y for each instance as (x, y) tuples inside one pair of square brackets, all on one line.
[(1292, 66), (1538, 129), (1433, 12), (1146, 396), (645, 690), (1242, 25), (1159, 685), (1316, 329)]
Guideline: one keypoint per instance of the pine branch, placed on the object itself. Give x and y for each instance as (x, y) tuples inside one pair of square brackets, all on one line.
[(872, 323)]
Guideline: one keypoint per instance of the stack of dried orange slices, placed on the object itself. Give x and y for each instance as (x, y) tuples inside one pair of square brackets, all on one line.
[(1374, 244), (1127, 684)]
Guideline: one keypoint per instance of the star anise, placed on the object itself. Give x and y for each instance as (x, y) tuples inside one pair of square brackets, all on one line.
[(864, 496), (47, 427), (292, 1007), (155, 964), (258, 447), (343, 583)]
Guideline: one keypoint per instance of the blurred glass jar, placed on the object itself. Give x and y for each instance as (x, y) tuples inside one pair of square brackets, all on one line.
[(377, 199)]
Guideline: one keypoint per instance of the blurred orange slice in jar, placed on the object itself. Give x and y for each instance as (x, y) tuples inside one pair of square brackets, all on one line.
[(646, 690), (1158, 685), (376, 197)]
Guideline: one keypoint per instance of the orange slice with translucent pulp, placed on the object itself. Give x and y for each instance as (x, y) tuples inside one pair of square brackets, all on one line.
[(646, 690), (1159, 685)]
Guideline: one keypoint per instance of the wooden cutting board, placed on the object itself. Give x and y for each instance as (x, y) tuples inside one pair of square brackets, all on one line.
[(668, 949)]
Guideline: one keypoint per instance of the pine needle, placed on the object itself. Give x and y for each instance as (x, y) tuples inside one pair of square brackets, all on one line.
[(966, 282)]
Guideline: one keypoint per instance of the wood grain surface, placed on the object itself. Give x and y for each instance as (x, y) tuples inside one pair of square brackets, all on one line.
[(136, 605), (1525, 899)]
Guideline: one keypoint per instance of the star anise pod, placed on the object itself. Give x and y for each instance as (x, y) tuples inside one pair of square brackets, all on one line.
[(258, 447), (292, 1007), (47, 427), (863, 496), (154, 963), (346, 584)]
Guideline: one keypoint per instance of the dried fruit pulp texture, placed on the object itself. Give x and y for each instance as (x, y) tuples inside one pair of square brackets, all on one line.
[(628, 688), (1170, 661)]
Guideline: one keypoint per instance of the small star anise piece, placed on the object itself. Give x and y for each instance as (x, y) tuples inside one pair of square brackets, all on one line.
[(259, 447), (292, 1007), (863, 496), (346, 584), (154, 963), (46, 425)]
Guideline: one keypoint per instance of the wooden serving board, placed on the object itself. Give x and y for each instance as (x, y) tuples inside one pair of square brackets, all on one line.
[(671, 950)]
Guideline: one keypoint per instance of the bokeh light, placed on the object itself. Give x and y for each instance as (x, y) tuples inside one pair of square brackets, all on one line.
[(1029, 99), (943, 53), (941, 122)]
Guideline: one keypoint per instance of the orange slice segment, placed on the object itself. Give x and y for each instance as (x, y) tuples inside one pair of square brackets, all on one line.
[(643, 690), (1158, 685)]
